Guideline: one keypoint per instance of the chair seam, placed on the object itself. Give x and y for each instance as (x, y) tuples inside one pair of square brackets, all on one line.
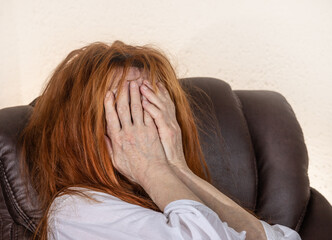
[(13, 232), (252, 148), (303, 213), (11, 196)]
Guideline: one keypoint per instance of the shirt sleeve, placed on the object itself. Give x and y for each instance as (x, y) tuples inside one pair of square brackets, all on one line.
[(115, 219), (197, 221), (279, 232)]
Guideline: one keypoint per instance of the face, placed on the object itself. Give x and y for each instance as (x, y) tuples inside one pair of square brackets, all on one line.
[(132, 75)]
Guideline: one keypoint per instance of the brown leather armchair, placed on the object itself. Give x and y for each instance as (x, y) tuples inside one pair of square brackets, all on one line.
[(252, 143)]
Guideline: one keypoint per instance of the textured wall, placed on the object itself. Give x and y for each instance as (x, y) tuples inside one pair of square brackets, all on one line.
[(282, 45)]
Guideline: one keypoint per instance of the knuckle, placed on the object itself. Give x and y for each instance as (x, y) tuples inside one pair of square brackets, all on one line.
[(109, 132), (164, 100), (159, 114), (163, 109), (122, 108), (108, 117), (136, 107), (148, 118)]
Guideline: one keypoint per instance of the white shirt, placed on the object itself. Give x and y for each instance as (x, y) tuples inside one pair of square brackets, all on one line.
[(76, 217)]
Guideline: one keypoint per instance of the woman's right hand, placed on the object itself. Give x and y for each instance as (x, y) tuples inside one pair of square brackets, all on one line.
[(134, 147)]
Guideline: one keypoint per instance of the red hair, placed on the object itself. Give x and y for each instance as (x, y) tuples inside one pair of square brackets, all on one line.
[(64, 139)]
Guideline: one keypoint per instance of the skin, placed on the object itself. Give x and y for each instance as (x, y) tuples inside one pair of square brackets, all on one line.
[(149, 151), (136, 150)]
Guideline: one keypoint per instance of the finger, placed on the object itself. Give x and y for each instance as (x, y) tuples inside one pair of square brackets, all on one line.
[(148, 120), (170, 105), (109, 146), (164, 90), (155, 113), (112, 120), (135, 104), (123, 106), (151, 96), (162, 94)]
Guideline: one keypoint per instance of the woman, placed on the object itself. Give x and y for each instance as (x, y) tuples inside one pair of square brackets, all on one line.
[(118, 155)]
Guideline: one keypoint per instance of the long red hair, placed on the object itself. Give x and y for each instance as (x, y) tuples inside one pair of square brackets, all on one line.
[(64, 139)]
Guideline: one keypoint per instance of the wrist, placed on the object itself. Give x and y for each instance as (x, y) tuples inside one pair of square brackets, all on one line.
[(181, 170), (146, 178), (163, 186), (178, 162)]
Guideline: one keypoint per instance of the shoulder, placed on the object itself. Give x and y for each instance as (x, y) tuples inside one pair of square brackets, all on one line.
[(82, 209), (75, 215)]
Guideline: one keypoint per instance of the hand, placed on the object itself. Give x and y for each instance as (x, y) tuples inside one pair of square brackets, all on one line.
[(134, 147), (162, 109)]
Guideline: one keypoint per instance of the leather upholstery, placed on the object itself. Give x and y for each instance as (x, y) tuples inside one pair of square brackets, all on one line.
[(252, 143), (282, 160)]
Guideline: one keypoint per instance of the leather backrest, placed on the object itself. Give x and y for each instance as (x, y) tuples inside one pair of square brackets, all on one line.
[(253, 156), (225, 139), (23, 209), (282, 158)]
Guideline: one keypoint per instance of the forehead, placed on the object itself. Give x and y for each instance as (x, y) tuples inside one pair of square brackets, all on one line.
[(133, 74)]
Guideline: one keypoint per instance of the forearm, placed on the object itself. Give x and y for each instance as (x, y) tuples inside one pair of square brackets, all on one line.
[(163, 187), (227, 210)]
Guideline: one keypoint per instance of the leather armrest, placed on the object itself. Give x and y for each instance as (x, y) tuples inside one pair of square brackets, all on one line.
[(317, 223)]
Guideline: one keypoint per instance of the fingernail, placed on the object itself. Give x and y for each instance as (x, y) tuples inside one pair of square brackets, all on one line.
[(108, 93), (145, 87)]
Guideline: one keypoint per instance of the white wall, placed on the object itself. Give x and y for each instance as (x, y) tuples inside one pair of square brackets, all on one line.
[(283, 45)]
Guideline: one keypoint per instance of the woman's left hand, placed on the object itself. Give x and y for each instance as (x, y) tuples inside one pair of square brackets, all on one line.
[(162, 109)]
